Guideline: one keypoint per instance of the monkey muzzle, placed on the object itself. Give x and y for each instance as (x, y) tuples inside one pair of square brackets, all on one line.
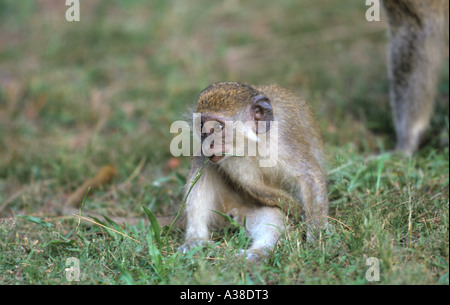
[(213, 140), (215, 159), (217, 155)]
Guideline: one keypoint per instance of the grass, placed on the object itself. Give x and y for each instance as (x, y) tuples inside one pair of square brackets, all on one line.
[(105, 90)]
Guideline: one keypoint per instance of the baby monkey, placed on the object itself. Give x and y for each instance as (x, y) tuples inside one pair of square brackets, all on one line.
[(262, 156)]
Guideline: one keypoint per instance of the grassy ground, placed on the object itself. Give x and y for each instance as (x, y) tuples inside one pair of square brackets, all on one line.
[(75, 96)]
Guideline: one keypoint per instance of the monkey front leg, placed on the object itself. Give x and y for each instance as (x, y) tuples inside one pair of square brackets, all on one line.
[(264, 225), (202, 201)]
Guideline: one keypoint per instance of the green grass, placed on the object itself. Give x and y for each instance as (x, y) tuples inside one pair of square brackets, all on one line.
[(105, 90)]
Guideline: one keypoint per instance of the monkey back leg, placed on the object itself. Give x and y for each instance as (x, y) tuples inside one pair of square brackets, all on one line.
[(414, 59), (313, 192)]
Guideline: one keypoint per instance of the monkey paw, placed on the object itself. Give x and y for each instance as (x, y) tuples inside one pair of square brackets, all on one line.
[(191, 244), (254, 255)]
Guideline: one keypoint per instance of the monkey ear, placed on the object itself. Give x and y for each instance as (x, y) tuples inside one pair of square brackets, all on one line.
[(261, 110)]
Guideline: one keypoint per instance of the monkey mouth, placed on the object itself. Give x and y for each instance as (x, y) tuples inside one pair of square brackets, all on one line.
[(215, 158)]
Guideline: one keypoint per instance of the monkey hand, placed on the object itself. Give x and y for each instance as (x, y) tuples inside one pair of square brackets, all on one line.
[(255, 255), (193, 243)]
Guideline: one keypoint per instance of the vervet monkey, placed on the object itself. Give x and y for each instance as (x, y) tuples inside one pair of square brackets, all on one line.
[(243, 186), (416, 29)]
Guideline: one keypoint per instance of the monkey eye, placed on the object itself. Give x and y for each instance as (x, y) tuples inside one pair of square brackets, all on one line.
[(218, 127), (211, 126)]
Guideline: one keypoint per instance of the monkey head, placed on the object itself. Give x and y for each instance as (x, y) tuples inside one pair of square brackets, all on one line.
[(231, 114)]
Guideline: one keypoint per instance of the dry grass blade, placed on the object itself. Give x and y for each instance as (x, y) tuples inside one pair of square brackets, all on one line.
[(337, 220), (106, 227)]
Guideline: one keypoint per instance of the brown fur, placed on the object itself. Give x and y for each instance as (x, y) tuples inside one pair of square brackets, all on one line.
[(239, 186), (416, 29)]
